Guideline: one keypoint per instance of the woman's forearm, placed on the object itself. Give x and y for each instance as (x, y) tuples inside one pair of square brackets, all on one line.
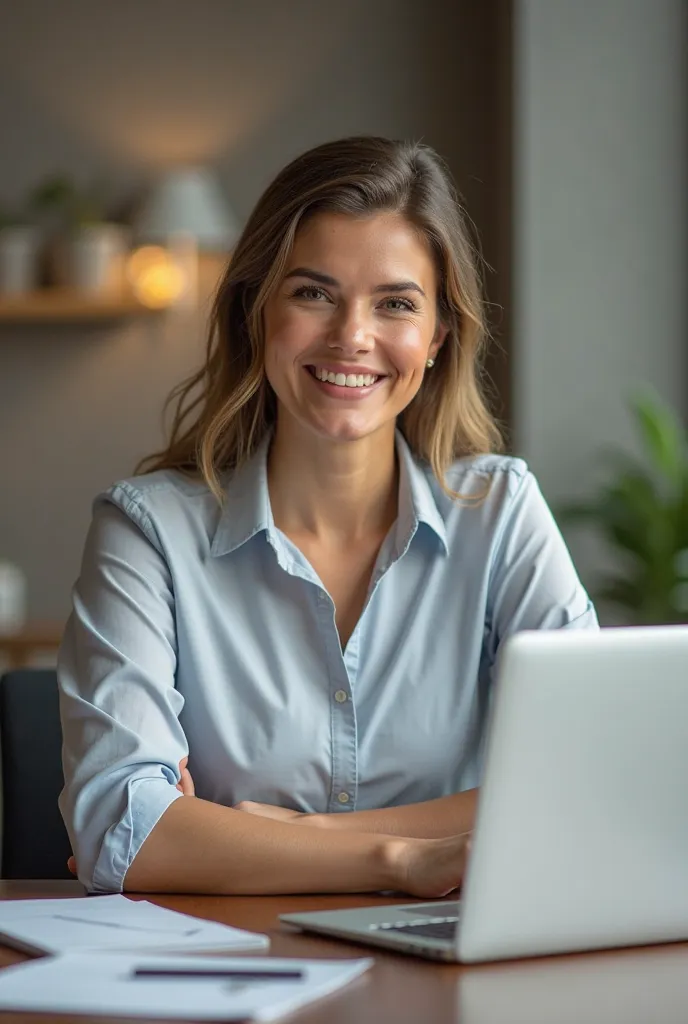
[(432, 819), (201, 847)]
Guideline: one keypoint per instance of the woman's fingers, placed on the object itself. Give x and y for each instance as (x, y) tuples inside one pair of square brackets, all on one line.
[(186, 783)]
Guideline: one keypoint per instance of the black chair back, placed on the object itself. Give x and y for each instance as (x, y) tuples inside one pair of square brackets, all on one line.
[(34, 838)]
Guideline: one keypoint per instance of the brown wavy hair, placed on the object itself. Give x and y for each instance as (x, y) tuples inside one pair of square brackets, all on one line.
[(224, 410)]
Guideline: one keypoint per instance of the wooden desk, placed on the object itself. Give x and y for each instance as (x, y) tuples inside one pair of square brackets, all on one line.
[(617, 987)]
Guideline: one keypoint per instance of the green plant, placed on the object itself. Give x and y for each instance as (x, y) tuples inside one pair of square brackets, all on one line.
[(59, 195), (642, 513)]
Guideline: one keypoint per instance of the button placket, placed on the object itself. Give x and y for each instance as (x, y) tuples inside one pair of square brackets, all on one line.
[(344, 742), (342, 711)]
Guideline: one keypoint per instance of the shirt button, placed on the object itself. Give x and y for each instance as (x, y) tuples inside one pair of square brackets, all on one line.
[(341, 696), (343, 798)]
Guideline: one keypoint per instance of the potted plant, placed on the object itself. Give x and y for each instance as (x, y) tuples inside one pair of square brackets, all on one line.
[(641, 511), (93, 248)]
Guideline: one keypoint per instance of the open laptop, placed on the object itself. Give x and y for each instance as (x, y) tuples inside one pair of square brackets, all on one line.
[(581, 837)]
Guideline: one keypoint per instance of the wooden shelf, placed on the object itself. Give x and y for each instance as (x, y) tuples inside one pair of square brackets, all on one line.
[(17, 649), (64, 305)]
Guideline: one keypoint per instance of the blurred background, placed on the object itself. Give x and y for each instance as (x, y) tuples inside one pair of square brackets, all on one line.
[(137, 136)]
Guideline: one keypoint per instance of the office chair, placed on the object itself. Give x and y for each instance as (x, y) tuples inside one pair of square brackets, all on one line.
[(34, 838)]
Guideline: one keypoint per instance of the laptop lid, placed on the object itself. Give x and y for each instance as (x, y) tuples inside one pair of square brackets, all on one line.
[(581, 839)]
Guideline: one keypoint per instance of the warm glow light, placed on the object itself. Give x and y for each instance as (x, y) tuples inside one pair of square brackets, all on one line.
[(156, 278), (146, 256)]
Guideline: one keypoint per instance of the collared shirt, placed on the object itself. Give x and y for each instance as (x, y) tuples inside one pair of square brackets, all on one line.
[(204, 630)]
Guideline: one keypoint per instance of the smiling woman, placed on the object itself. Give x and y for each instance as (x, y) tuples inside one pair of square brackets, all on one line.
[(306, 591), (373, 315)]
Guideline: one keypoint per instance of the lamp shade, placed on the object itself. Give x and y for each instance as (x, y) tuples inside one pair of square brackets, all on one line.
[(187, 201)]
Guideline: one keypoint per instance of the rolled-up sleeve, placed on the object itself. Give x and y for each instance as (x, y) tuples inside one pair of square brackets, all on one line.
[(533, 582), (122, 740)]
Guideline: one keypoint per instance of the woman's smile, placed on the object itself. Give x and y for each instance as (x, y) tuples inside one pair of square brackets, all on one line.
[(345, 383)]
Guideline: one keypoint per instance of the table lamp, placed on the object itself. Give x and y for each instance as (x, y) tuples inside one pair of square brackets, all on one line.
[(185, 212)]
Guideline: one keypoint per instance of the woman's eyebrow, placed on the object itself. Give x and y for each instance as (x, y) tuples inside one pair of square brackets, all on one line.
[(390, 286), (400, 286), (313, 275)]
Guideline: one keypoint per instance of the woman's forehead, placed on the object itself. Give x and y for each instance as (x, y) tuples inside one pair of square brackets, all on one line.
[(384, 242)]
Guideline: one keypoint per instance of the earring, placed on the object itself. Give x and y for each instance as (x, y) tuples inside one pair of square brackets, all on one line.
[(430, 363)]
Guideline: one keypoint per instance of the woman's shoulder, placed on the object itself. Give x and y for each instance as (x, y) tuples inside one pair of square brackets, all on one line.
[(163, 496), (488, 465), (149, 489), (493, 477)]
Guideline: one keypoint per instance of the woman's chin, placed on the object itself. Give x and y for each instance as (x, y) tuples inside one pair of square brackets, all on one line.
[(340, 429)]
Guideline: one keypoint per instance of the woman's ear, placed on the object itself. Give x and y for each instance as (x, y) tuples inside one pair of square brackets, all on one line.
[(437, 342)]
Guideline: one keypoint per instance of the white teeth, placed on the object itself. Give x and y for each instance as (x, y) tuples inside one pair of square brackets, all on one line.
[(345, 380)]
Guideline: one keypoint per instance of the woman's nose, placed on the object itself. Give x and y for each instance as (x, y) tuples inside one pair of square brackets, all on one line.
[(350, 332)]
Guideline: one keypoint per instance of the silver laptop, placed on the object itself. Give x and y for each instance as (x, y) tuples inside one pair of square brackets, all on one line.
[(581, 838)]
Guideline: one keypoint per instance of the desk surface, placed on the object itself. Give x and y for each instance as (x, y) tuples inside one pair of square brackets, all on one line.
[(626, 986)]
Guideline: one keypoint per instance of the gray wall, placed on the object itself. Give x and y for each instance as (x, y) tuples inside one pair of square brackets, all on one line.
[(601, 251), (130, 87)]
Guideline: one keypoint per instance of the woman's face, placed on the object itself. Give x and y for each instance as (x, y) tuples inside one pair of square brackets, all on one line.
[(350, 326)]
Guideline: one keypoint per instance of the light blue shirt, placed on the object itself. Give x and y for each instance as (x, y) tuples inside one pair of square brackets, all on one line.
[(203, 630)]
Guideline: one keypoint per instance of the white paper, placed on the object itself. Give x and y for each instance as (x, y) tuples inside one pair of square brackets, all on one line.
[(93, 983), (114, 923)]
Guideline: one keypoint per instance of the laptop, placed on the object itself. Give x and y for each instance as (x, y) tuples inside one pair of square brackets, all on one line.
[(581, 836)]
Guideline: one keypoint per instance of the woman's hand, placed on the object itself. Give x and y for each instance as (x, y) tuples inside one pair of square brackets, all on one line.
[(270, 811), (431, 868), (185, 786)]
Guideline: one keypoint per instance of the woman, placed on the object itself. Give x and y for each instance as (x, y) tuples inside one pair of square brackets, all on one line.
[(306, 591)]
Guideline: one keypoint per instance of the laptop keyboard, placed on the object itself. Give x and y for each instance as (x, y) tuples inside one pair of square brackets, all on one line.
[(439, 928)]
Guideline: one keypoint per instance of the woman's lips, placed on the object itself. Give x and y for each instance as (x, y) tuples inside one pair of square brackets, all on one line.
[(342, 391)]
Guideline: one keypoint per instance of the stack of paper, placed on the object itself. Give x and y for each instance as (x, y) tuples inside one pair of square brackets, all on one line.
[(114, 923), (102, 963), (91, 983)]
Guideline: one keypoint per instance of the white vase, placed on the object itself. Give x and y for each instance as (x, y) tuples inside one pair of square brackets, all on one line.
[(97, 254), (12, 598), (19, 248)]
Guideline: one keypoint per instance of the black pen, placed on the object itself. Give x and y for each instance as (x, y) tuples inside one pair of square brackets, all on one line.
[(255, 974)]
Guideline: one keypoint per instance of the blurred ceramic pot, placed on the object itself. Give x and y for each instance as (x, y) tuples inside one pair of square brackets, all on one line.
[(12, 598), (96, 258), (19, 252)]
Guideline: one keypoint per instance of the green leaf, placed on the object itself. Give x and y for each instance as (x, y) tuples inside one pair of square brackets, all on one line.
[(631, 514), (53, 192), (662, 433)]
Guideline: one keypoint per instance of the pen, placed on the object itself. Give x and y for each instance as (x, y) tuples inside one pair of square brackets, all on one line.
[(255, 974)]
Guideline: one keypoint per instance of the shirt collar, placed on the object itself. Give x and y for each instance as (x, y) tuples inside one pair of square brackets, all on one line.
[(417, 502), (247, 510)]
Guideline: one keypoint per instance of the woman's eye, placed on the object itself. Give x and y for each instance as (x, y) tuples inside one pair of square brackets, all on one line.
[(400, 305), (309, 291)]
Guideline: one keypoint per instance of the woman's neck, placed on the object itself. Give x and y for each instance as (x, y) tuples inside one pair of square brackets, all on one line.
[(332, 491)]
